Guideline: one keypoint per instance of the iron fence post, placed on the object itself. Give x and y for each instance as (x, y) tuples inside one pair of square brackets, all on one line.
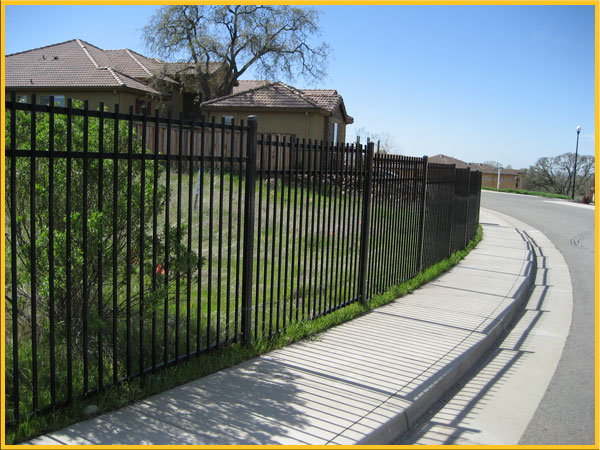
[(478, 200), (251, 148), (422, 216), (452, 201), (466, 240), (365, 224)]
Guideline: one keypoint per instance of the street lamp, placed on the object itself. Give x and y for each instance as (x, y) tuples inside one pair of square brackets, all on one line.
[(575, 168)]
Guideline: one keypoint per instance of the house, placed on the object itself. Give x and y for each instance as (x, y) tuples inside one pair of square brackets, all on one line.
[(509, 178), (317, 114), (79, 70)]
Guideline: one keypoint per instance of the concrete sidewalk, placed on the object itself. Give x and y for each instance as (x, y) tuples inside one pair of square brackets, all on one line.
[(364, 382)]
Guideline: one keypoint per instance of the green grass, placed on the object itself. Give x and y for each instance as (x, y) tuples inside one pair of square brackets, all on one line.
[(119, 396), (526, 192)]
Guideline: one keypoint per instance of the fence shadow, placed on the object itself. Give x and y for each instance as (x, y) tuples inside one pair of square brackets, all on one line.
[(453, 421)]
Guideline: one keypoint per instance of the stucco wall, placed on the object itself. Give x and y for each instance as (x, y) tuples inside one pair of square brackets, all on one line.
[(507, 181), (304, 125), (110, 97), (328, 126)]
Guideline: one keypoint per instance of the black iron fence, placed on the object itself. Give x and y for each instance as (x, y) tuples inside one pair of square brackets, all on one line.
[(123, 260)]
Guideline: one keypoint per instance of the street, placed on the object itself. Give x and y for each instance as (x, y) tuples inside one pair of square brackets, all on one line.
[(566, 413)]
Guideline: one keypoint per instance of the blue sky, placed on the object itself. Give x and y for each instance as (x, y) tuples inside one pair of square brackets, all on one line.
[(503, 83)]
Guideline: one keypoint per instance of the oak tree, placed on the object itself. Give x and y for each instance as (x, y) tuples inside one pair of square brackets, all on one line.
[(216, 45), (555, 174)]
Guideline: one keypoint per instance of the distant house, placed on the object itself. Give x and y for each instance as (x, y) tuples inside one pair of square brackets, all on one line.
[(317, 114), (509, 178), (79, 70)]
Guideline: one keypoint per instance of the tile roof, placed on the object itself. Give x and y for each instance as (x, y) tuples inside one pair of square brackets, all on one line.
[(126, 61), (445, 159), (328, 99), (272, 95), (79, 64), (483, 168), (325, 98), (258, 94)]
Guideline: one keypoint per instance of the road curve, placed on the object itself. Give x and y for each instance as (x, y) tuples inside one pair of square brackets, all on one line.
[(566, 414)]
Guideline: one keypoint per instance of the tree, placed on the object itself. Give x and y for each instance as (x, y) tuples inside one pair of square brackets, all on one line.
[(495, 164), (221, 43), (384, 142), (555, 174), (387, 143)]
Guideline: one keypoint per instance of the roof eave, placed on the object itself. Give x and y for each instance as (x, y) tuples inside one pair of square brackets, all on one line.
[(261, 108)]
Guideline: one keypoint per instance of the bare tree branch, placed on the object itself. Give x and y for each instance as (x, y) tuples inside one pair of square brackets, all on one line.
[(275, 40)]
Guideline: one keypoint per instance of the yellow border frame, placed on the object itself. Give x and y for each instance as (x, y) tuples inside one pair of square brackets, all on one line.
[(596, 3)]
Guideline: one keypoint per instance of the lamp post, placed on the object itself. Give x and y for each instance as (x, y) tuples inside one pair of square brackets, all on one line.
[(498, 184), (575, 168)]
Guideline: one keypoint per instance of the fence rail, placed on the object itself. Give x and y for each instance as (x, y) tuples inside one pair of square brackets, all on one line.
[(129, 251)]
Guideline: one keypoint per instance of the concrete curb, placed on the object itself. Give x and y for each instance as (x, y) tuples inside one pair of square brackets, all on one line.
[(401, 424)]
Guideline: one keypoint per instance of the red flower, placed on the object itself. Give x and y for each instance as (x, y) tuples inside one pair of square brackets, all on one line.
[(158, 268)]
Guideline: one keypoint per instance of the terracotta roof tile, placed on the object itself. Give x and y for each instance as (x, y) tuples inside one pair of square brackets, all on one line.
[(260, 94), (326, 98), (77, 64), (273, 95), (125, 62), (59, 65)]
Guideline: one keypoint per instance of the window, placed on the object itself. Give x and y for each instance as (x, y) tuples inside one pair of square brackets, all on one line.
[(140, 104), (21, 98), (228, 120), (335, 133), (59, 100)]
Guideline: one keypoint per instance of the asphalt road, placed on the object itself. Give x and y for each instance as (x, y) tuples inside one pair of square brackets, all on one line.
[(566, 412)]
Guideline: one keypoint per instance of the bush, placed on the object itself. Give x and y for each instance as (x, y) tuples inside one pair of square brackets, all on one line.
[(101, 190)]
